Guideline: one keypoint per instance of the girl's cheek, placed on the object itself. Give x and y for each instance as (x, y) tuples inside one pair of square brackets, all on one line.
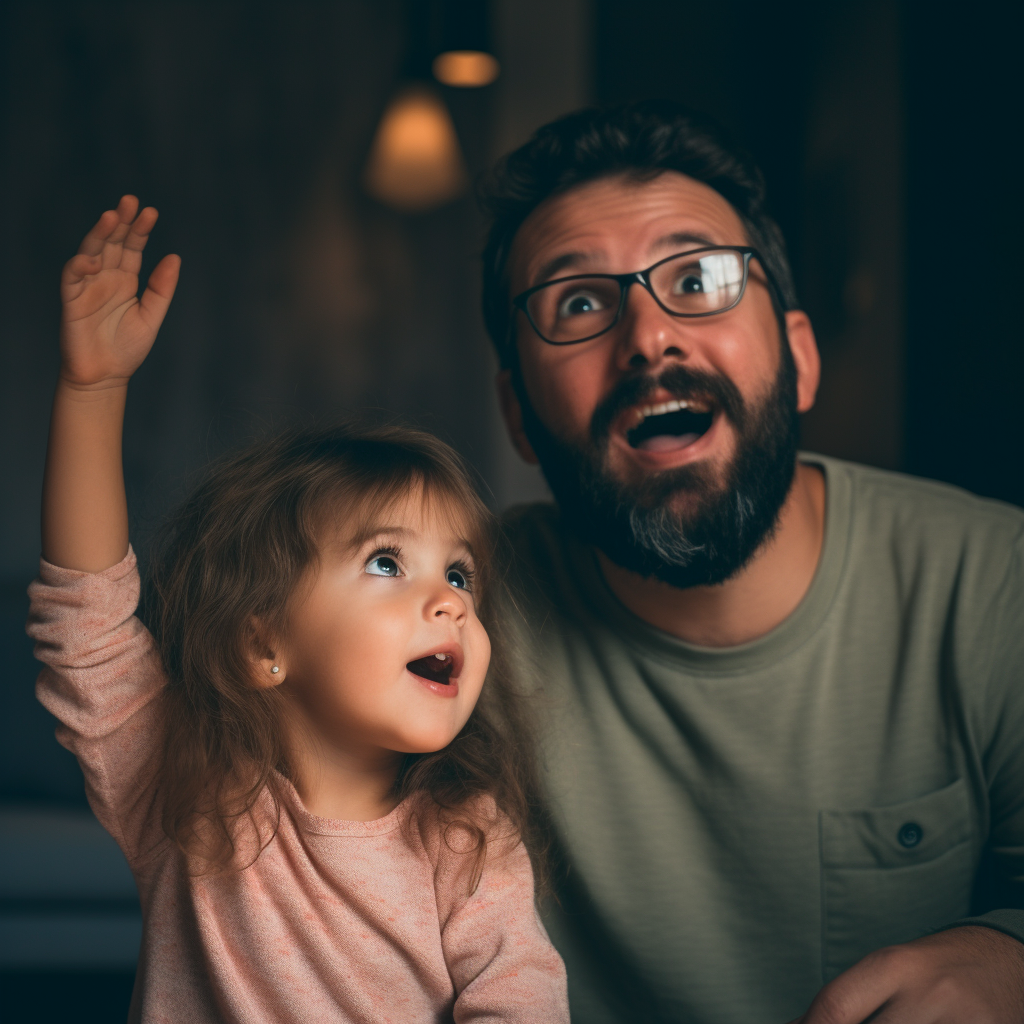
[(485, 651)]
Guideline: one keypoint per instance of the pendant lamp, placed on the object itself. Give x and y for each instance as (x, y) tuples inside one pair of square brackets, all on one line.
[(415, 161), (466, 59)]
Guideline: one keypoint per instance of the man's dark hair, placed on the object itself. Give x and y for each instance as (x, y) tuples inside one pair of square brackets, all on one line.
[(641, 140)]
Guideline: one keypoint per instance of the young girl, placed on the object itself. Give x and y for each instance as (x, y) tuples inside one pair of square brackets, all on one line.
[(323, 822)]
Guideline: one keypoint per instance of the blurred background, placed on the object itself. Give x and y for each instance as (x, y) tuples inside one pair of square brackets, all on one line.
[(313, 165)]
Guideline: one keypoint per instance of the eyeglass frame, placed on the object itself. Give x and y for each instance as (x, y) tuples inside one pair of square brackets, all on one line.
[(626, 281)]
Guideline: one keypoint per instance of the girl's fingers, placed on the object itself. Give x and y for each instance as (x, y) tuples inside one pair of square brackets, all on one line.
[(92, 244), (159, 291), (116, 242), (78, 268), (127, 207), (139, 229), (112, 251), (110, 231), (135, 240)]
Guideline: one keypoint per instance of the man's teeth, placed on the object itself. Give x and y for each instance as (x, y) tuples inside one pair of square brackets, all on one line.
[(664, 407), (642, 412), (440, 657)]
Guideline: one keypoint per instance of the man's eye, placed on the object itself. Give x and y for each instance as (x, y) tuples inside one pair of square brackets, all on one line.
[(457, 579), (689, 284), (383, 565), (579, 303)]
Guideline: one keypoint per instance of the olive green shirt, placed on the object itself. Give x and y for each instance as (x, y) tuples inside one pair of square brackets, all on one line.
[(738, 825)]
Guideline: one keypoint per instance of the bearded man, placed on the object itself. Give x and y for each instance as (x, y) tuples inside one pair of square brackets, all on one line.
[(781, 700)]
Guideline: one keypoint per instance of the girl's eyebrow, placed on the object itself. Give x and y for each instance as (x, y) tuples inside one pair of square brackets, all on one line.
[(467, 548), (375, 533)]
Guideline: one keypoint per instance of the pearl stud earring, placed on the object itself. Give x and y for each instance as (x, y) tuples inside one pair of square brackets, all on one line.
[(275, 670)]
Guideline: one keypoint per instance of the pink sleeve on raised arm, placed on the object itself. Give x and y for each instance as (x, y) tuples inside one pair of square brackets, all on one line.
[(501, 961), (100, 677)]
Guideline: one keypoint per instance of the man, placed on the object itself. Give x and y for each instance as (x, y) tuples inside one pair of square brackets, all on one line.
[(781, 702)]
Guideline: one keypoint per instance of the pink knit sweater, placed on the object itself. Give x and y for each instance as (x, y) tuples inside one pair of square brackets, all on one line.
[(335, 921)]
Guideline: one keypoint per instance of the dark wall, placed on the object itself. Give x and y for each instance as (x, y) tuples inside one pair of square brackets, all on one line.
[(248, 126), (965, 342), (890, 135)]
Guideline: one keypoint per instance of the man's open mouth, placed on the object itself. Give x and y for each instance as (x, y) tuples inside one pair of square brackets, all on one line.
[(437, 668), (670, 425)]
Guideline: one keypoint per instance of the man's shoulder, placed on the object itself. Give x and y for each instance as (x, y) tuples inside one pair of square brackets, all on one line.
[(929, 531), (920, 504)]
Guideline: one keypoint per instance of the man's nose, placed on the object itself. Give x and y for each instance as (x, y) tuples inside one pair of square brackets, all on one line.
[(647, 335)]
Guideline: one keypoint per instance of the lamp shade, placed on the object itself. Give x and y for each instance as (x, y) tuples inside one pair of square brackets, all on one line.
[(415, 161), (466, 69)]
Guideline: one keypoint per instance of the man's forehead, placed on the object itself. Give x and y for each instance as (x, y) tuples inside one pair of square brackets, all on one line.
[(620, 218)]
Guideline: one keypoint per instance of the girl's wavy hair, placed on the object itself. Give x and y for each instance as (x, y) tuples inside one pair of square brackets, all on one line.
[(231, 557), (640, 140)]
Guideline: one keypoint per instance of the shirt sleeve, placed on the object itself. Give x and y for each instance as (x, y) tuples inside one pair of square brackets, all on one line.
[(499, 956), (101, 676), (1004, 757)]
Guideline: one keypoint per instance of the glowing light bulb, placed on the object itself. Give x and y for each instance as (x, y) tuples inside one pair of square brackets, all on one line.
[(415, 162), (466, 69)]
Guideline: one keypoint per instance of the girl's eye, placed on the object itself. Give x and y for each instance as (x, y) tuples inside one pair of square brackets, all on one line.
[(383, 565), (457, 579)]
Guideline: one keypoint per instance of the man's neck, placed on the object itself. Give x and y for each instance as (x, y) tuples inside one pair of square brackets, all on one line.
[(753, 602)]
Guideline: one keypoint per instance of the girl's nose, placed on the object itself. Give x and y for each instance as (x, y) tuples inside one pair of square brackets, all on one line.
[(445, 601)]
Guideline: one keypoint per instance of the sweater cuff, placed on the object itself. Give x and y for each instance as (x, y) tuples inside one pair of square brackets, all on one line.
[(1009, 922), (56, 575)]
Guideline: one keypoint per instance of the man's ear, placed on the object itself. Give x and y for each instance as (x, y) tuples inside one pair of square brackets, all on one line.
[(512, 413), (805, 355)]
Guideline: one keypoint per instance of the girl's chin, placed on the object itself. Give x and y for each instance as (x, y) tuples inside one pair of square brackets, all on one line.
[(429, 744)]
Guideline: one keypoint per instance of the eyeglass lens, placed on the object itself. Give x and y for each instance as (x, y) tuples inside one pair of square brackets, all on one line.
[(692, 284)]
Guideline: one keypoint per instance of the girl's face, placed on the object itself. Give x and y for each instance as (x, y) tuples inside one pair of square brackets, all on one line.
[(382, 648)]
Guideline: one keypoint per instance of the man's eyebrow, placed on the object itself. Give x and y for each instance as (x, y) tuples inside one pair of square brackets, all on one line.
[(571, 259), (684, 238), (563, 262)]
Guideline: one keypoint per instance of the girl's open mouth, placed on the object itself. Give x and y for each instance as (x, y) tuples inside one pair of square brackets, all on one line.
[(435, 668)]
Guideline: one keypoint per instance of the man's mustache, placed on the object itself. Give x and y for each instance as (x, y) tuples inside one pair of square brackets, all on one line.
[(681, 382)]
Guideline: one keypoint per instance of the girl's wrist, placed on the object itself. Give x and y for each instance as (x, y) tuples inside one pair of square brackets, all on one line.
[(109, 387)]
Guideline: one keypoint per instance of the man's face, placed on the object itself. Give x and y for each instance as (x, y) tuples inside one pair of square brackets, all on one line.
[(595, 412)]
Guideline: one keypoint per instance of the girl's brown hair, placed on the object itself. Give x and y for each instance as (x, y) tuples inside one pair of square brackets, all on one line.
[(231, 558)]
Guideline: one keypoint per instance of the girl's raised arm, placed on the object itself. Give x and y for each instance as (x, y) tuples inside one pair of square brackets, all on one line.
[(106, 332)]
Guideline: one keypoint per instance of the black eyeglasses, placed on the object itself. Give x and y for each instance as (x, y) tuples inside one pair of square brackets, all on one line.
[(700, 282)]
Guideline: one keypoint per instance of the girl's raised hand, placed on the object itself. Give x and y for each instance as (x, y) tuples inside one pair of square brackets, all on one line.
[(106, 330)]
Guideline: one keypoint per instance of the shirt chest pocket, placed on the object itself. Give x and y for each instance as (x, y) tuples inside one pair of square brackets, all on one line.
[(892, 874)]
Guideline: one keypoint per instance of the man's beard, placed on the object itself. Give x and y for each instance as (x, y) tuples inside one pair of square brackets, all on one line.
[(723, 522)]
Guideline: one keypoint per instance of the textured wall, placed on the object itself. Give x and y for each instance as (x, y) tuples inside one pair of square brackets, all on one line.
[(248, 126)]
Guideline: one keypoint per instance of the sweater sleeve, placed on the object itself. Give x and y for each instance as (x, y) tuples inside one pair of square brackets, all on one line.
[(500, 959), (101, 674)]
